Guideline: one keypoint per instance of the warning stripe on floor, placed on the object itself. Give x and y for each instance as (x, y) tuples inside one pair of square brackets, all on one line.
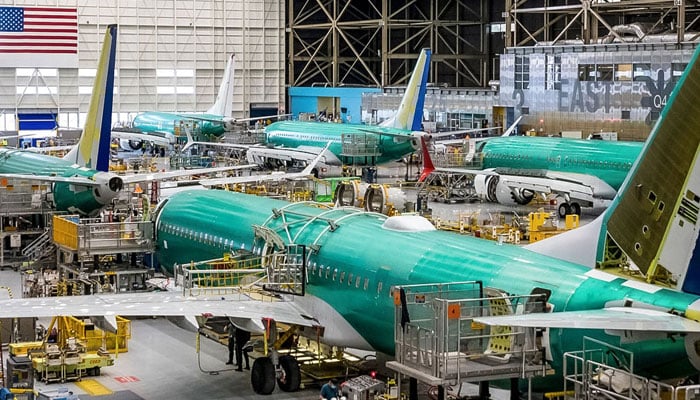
[(93, 388)]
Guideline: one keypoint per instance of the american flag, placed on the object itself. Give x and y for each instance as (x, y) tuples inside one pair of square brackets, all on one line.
[(39, 31)]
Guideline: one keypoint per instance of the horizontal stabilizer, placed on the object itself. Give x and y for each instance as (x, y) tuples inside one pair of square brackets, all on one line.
[(613, 318)]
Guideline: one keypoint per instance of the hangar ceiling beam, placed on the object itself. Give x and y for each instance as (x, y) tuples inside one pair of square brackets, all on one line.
[(535, 21), (376, 43)]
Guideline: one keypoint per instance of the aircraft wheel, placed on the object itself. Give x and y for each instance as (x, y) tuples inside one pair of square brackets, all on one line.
[(262, 376), (575, 209), (291, 380), (564, 210)]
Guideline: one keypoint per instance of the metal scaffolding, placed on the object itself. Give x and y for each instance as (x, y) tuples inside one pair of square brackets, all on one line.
[(334, 42)]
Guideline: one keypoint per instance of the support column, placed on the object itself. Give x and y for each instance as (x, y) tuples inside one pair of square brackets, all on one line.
[(412, 388), (514, 391), (484, 390)]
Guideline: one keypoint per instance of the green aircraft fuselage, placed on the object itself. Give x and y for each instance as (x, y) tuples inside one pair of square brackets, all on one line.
[(67, 197), (608, 160), (200, 225), (154, 121), (386, 144)]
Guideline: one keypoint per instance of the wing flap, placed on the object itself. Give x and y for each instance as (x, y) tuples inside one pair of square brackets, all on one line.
[(157, 176), (613, 318), (161, 304)]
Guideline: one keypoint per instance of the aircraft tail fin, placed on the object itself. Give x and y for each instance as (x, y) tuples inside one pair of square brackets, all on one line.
[(428, 166), (224, 99), (654, 218), (93, 150), (409, 116)]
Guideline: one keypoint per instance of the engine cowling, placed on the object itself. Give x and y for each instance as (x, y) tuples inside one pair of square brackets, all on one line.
[(130, 145), (416, 139), (229, 124), (492, 189)]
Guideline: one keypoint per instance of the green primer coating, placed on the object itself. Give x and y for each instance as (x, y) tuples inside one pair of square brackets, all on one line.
[(295, 134), (67, 197), (153, 121), (608, 160), (198, 225)]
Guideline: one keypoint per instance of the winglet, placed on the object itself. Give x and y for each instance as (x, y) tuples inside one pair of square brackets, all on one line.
[(512, 127), (93, 150), (190, 140), (310, 168), (409, 116), (224, 99), (428, 166)]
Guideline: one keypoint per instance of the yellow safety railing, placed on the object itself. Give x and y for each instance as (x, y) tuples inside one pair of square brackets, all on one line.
[(65, 231), (92, 337)]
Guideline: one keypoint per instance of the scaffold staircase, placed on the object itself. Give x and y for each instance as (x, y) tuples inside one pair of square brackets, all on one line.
[(41, 247)]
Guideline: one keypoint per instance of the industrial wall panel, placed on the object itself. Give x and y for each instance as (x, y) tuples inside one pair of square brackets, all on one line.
[(167, 34)]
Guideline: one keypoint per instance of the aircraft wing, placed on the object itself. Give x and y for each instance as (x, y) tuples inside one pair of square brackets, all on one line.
[(251, 178), (78, 180), (156, 176), (613, 318), (161, 139), (462, 132), (385, 132), (236, 146), (49, 148), (508, 132), (165, 304), (308, 171)]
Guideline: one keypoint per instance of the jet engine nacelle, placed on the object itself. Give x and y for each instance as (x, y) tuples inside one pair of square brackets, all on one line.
[(110, 186), (375, 198), (492, 189), (130, 145), (229, 124), (416, 139)]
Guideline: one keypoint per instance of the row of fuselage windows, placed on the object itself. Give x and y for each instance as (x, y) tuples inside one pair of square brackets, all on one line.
[(342, 277), (300, 136), (624, 166), (200, 237)]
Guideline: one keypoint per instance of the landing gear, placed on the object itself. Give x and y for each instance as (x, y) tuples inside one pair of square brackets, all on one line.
[(575, 208), (566, 209), (264, 374), (289, 378)]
